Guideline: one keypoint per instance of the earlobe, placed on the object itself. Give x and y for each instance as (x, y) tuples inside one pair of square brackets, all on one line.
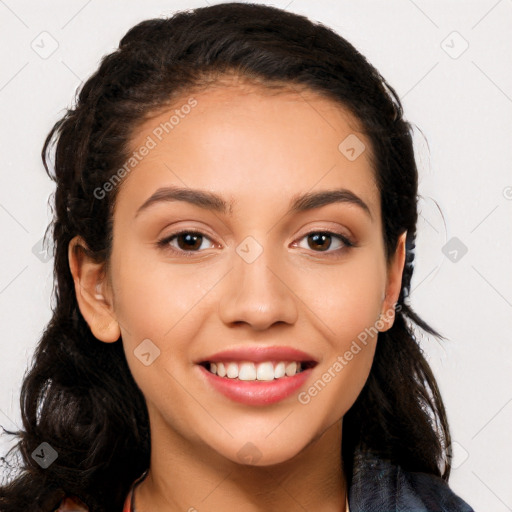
[(92, 294), (393, 285)]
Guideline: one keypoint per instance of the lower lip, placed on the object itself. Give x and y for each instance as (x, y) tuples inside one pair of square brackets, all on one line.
[(255, 392)]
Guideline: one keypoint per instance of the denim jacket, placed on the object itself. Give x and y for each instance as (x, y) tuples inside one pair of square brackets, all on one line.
[(379, 486)]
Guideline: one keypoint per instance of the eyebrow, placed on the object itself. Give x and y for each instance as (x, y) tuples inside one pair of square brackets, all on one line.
[(213, 202)]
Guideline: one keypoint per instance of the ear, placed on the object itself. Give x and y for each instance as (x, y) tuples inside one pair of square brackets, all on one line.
[(393, 285), (92, 291)]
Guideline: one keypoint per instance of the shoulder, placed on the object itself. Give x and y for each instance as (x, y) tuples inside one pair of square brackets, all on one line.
[(72, 504), (379, 485), (428, 491), (127, 501)]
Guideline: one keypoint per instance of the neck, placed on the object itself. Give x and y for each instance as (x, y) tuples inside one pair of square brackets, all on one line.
[(183, 477)]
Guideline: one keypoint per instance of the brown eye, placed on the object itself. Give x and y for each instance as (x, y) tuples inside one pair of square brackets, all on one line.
[(322, 241), (187, 242)]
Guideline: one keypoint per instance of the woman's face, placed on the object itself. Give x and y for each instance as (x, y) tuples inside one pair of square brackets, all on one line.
[(265, 267)]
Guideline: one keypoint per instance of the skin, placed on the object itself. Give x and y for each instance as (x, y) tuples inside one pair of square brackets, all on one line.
[(258, 150)]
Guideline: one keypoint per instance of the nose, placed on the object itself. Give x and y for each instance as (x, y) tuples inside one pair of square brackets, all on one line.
[(259, 294)]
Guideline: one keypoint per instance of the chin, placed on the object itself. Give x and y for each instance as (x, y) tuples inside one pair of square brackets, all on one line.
[(260, 450)]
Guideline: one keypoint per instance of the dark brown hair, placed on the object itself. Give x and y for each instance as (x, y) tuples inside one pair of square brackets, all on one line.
[(79, 395)]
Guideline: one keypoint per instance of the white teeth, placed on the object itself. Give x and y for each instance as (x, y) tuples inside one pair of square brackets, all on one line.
[(291, 369), (232, 370), (279, 370), (221, 370), (265, 371), (248, 371)]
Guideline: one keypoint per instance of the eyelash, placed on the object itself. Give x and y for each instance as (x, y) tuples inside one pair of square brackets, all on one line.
[(164, 242)]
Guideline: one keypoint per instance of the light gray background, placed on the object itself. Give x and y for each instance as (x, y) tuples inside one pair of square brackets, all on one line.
[(460, 98)]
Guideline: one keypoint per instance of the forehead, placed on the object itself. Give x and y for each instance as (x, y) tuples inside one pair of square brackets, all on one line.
[(245, 141)]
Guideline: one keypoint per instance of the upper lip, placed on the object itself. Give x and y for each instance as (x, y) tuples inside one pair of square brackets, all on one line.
[(259, 354)]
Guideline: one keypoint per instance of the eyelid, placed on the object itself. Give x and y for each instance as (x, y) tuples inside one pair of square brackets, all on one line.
[(343, 234)]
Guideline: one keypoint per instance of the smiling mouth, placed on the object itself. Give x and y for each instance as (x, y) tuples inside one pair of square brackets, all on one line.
[(262, 371)]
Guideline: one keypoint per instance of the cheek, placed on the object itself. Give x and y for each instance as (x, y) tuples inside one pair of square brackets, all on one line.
[(153, 299), (338, 384), (342, 373), (350, 298), (349, 307)]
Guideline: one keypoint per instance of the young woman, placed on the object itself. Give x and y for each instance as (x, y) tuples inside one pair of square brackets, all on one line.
[(235, 217)]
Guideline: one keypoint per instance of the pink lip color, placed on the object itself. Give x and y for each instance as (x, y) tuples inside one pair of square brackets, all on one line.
[(259, 354), (256, 392)]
